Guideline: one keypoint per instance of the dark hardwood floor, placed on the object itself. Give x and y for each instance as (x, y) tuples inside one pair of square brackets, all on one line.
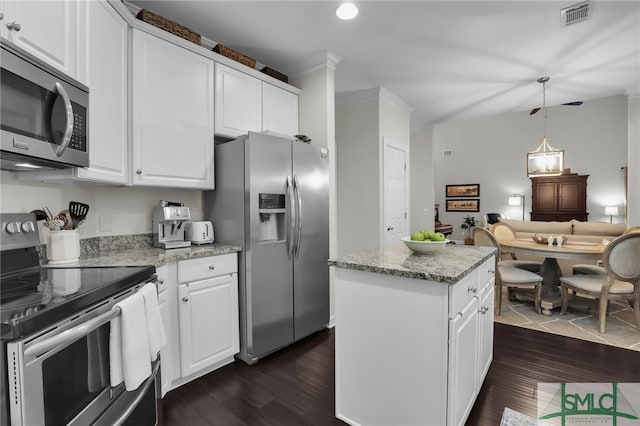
[(296, 385)]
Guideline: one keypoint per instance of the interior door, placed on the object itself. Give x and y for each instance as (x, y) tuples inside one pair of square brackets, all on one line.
[(395, 193)]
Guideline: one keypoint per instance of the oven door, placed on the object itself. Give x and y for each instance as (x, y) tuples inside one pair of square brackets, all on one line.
[(61, 377), (42, 116)]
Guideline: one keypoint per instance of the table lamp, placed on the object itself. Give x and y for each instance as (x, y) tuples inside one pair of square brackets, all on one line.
[(611, 212)]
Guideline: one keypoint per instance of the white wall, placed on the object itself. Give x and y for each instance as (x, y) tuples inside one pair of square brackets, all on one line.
[(317, 120), (127, 208), (422, 181), (633, 204), (491, 151), (363, 121), (358, 162)]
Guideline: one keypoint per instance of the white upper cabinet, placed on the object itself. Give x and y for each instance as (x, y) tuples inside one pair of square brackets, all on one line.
[(172, 115), (238, 102), (279, 110), (50, 30), (107, 76)]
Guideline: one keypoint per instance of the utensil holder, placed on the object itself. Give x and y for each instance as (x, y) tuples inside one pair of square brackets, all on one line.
[(63, 246)]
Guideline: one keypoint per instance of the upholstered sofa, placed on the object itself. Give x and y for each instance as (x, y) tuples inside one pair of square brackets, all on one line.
[(574, 230)]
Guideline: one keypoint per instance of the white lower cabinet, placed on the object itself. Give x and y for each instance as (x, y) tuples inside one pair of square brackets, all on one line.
[(199, 306), (421, 362), (208, 322), (470, 347)]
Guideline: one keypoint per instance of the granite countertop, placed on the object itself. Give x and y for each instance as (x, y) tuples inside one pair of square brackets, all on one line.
[(448, 265), (147, 255)]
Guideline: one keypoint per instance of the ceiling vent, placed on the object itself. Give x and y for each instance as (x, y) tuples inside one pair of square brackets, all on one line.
[(575, 13)]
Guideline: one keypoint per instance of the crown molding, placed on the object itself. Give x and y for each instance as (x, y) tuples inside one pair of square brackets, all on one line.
[(320, 60), (370, 94)]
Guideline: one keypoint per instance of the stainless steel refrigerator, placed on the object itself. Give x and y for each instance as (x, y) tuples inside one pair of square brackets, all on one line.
[(272, 199)]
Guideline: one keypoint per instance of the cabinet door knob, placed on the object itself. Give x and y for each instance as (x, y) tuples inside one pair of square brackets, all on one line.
[(139, 171), (389, 228), (472, 290), (14, 26), (185, 299), (160, 281), (212, 267), (484, 309)]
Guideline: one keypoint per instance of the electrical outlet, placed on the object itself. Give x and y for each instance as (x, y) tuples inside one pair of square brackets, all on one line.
[(104, 223), (425, 212)]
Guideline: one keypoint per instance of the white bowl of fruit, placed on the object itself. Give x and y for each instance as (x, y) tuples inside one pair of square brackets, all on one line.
[(425, 241)]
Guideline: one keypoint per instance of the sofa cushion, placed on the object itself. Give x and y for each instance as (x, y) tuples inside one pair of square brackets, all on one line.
[(598, 228), (533, 227)]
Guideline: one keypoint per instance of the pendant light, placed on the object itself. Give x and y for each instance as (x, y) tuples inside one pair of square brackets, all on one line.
[(546, 160)]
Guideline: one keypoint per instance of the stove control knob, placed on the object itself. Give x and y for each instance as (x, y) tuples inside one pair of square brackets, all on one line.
[(13, 228), (28, 227)]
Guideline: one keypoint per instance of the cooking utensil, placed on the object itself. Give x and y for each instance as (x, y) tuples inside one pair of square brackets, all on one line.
[(78, 213), (65, 217), (53, 224), (40, 215)]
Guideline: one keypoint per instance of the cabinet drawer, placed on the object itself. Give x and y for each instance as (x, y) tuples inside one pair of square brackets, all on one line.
[(462, 292), (207, 267), (486, 272)]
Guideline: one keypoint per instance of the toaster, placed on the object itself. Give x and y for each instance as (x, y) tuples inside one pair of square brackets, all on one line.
[(199, 232)]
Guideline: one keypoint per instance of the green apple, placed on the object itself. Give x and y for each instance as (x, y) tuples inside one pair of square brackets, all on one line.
[(427, 234), (438, 236), (417, 236)]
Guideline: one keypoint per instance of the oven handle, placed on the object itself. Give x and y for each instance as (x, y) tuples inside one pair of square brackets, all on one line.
[(140, 394), (72, 334)]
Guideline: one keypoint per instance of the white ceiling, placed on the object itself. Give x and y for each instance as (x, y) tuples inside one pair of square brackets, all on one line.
[(447, 59)]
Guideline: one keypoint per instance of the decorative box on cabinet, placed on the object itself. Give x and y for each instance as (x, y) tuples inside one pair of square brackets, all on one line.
[(51, 30), (172, 115), (559, 198)]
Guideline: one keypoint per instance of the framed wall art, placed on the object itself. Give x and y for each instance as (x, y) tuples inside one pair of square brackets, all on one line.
[(468, 190), (468, 205)]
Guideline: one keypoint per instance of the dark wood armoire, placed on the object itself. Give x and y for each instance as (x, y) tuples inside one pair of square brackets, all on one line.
[(559, 198)]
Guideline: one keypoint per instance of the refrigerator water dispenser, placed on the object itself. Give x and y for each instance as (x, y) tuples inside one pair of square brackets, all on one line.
[(271, 208)]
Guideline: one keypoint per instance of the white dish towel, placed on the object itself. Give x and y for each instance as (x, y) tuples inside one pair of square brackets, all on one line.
[(155, 330), (129, 344)]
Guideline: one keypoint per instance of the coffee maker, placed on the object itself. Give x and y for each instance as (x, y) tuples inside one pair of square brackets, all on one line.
[(169, 220)]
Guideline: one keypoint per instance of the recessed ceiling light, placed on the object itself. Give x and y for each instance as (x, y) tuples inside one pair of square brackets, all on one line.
[(347, 11)]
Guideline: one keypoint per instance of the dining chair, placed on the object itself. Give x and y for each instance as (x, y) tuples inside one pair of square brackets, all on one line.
[(621, 261), (590, 269), (508, 276), (502, 231), (490, 219)]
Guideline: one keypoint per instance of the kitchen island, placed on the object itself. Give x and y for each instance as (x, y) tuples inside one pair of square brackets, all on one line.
[(414, 334)]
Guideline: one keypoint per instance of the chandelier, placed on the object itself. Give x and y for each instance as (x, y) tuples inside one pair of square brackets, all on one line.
[(546, 160)]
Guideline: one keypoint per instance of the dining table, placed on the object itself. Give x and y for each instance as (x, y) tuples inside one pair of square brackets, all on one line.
[(550, 269)]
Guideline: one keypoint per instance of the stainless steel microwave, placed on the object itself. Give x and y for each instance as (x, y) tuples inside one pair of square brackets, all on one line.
[(44, 116)]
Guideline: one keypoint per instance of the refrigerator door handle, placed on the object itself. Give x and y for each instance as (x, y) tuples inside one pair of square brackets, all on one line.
[(290, 217), (298, 202)]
